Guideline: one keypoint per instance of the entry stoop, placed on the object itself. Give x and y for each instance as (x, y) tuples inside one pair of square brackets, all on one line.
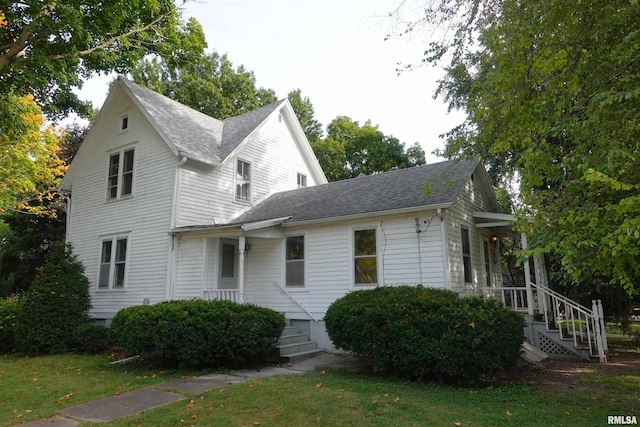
[(294, 346)]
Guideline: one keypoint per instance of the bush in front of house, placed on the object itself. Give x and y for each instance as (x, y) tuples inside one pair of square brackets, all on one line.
[(433, 334), (199, 333), (91, 338), (56, 304), (9, 308)]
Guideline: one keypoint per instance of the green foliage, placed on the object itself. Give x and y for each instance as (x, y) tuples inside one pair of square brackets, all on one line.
[(350, 150), (199, 333), (551, 95), (9, 308), (46, 48), (304, 112), (209, 84), (91, 338), (420, 332), (57, 303)]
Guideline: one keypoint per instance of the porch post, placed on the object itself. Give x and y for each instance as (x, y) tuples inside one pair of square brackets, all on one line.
[(241, 246), (527, 277)]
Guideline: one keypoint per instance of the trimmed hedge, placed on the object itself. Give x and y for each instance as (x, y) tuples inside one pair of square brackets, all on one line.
[(9, 308), (426, 333), (199, 333)]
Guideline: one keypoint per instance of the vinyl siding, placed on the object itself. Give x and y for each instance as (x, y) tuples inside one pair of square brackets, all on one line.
[(329, 263), (190, 270), (458, 216), (275, 159), (145, 217)]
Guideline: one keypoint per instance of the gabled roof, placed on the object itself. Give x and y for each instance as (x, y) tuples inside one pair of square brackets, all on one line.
[(421, 187), (193, 134)]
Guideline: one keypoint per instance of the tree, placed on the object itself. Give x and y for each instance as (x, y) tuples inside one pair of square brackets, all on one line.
[(28, 235), (211, 84), (551, 93), (47, 47), (350, 150), (304, 112), (27, 152)]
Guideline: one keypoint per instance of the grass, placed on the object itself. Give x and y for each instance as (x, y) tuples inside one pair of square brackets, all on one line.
[(34, 388)]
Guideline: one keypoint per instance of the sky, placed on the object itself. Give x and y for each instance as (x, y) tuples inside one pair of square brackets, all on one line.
[(335, 52)]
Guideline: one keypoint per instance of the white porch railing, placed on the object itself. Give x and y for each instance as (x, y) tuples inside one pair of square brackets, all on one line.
[(573, 321), (221, 294), (569, 319)]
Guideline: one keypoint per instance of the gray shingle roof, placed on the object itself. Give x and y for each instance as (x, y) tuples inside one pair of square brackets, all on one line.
[(427, 185), (194, 134)]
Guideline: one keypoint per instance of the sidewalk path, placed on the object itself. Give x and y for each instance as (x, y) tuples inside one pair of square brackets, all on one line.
[(114, 407)]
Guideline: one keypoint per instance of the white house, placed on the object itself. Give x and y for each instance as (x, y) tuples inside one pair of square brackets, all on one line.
[(168, 203)]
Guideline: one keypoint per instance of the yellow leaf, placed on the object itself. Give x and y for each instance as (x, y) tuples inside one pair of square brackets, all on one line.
[(319, 385)]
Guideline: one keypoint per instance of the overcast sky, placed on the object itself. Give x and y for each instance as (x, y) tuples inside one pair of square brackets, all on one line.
[(335, 52)]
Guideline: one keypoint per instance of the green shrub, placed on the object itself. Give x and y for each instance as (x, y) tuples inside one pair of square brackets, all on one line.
[(56, 304), (199, 333), (91, 338), (9, 308), (420, 332)]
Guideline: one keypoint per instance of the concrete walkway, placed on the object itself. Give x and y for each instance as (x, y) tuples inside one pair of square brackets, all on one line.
[(114, 407)]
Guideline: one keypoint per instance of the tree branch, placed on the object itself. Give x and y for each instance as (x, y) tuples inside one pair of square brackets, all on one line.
[(112, 40)]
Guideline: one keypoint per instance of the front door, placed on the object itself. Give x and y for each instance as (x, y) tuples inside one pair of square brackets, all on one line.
[(228, 267)]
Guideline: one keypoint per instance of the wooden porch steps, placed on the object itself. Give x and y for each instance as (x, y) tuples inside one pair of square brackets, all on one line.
[(295, 346), (550, 341)]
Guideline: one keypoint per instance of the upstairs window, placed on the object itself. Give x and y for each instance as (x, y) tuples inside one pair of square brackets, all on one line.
[(124, 123), (113, 262), (243, 180), (466, 255), (365, 258), (295, 261), (120, 176), (301, 180)]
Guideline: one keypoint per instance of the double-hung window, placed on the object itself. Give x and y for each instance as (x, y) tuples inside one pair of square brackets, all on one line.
[(295, 261), (113, 263), (243, 180), (466, 255), (120, 177), (301, 180), (365, 257)]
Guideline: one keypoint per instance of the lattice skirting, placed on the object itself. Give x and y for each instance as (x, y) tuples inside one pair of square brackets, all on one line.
[(551, 347)]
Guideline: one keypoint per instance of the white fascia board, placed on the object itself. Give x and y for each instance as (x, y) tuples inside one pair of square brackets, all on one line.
[(263, 224), (493, 216), (494, 224)]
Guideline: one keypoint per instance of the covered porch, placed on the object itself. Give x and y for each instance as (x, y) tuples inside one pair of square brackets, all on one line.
[(554, 323)]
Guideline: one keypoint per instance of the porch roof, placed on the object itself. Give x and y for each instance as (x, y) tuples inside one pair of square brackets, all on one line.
[(502, 223)]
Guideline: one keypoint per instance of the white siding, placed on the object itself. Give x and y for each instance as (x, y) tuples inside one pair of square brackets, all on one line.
[(329, 262), (145, 217), (458, 216), (190, 268), (275, 158)]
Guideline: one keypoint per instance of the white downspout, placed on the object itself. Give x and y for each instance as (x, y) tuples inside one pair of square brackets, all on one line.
[(241, 253), (171, 265)]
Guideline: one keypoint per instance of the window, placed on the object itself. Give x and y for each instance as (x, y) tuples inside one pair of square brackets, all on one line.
[(113, 261), (124, 123), (365, 259), (295, 261), (487, 264), (301, 180), (466, 255), (243, 180), (228, 260), (120, 176)]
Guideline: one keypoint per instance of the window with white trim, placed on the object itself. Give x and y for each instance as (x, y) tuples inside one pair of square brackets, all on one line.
[(466, 255), (113, 263), (124, 123), (120, 175), (301, 180), (365, 257), (295, 261), (243, 180)]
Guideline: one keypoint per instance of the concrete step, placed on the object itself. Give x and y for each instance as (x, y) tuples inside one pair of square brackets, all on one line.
[(288, 349), (290, 330), (301, 355), (292, 339)]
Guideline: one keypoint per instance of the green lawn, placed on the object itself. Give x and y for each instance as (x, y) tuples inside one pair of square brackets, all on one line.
[(38, 387)]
